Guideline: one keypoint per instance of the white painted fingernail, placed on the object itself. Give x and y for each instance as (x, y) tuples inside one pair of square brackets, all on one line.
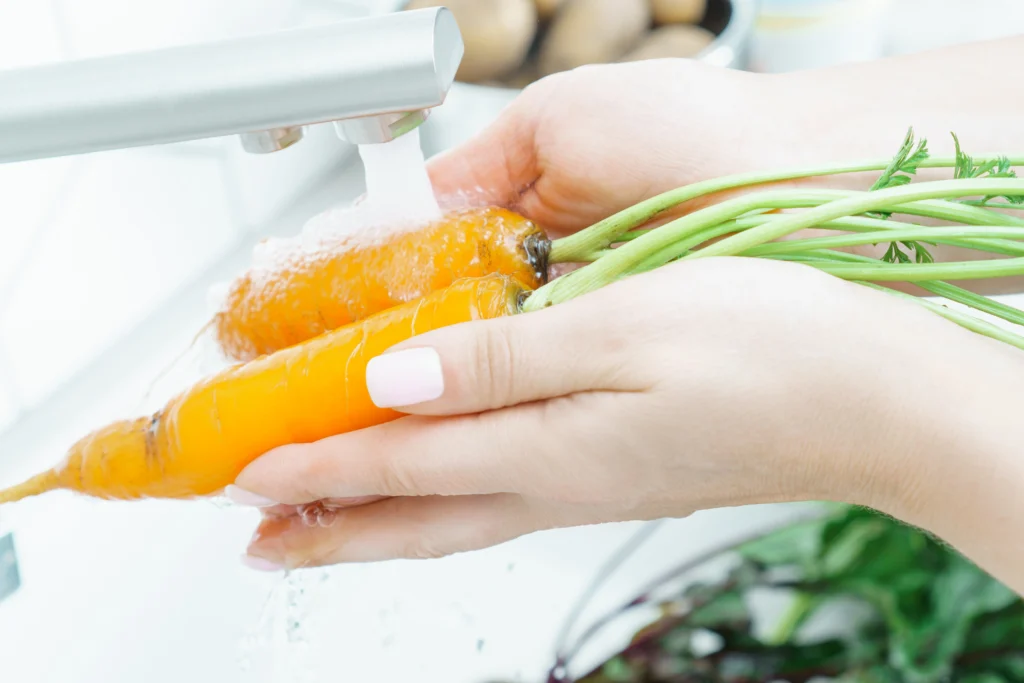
[(405, 378), (242, 497)]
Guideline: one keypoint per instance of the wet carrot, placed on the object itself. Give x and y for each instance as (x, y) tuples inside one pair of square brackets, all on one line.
[(203, 438), (267, 311)]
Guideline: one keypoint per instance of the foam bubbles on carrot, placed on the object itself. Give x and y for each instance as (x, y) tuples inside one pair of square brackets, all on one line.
[(399, 197)]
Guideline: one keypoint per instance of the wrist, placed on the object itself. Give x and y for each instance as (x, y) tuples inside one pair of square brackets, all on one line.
[(901, 402), (947, 453)]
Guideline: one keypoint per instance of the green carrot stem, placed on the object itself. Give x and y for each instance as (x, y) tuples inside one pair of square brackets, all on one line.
[(868, 201), (965, 320), (939, 235), (604, 233), (920, 272), (619, 262), (865, 224), (681, 247), (938, 209), (943, 289), (975, 301), (935, 235), (942, 209), (954, 236)]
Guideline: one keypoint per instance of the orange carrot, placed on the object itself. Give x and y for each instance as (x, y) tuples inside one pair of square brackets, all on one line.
[(265, 312), (203, 438)]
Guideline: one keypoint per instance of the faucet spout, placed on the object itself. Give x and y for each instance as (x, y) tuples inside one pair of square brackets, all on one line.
[(375, 78)]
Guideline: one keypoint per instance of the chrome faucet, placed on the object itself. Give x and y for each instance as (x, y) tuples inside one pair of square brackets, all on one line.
[(375, 78)]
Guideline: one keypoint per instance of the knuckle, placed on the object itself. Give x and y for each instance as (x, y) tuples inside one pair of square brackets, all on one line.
[(494, 367), (395, 478)]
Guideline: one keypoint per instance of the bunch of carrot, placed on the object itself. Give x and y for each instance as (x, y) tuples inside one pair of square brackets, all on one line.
[(303, 335)]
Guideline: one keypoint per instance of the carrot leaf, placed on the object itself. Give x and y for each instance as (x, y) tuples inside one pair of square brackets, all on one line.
[(905, 164), (899, 171), (1000, 167)]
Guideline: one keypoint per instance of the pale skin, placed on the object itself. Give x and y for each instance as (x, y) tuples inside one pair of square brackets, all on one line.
[(707, 383)]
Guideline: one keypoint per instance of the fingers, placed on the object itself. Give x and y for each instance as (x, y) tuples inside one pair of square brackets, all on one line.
[(525, 449), (506, 398), (397, 528), (507, 361), (414, 456)]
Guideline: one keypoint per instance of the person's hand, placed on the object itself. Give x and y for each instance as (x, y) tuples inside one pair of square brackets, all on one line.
[(578, 146), (704, 384)]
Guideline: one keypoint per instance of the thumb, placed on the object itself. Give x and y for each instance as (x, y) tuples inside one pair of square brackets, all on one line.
[(489, 364)]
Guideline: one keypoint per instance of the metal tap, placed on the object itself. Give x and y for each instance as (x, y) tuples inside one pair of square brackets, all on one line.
[(375, 78)]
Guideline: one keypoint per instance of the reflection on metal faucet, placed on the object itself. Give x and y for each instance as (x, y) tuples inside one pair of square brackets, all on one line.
[(376, 78)]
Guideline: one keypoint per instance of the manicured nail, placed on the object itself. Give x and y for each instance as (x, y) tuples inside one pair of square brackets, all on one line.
[(405, 378), (260, 564), (247, 498)]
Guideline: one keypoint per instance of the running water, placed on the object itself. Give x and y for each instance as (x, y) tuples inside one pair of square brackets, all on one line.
[(399, 196), (397, 184), (279, 645)]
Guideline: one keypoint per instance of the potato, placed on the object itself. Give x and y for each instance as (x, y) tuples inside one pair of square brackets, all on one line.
[(497, 34), (593, 32), (675, 40), (678, 11), (547, 8)]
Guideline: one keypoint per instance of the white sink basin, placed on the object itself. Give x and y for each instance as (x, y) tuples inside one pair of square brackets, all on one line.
[(154, 592)]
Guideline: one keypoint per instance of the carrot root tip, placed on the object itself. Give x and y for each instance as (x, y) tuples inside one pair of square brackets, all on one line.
[(41, 483)]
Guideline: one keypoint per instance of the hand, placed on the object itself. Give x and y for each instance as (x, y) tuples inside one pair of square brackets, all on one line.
[(704, 384), (578, 146)]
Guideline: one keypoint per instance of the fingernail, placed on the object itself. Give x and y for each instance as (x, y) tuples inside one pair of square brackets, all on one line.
[(405, 378), (248, 498), (260, 564)]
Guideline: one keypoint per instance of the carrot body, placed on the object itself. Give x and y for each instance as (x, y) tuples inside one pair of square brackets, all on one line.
[(268, 311), (203, 438)]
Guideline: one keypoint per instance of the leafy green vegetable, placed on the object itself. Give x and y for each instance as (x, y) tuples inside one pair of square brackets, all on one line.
[(933, 616), (790, 545)]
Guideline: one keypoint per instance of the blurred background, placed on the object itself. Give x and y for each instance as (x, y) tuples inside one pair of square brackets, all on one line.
[(105, 268)]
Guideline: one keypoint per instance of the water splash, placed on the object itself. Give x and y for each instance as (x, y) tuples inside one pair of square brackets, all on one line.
[(279, 643), (399, 197), (397, 183)]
